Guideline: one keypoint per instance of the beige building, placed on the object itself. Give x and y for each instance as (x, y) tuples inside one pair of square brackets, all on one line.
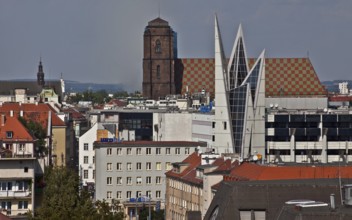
[(188, 185)]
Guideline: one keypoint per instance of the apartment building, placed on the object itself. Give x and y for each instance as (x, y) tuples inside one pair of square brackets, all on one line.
[(131, 169), (188, 184), (18, 168)]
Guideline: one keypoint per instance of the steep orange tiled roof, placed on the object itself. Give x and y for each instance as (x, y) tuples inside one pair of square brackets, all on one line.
[(188, 174), (250, 171), (12, 124), (284, 76)]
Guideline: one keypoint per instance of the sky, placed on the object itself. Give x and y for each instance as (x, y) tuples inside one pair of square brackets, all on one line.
[(101, 41)]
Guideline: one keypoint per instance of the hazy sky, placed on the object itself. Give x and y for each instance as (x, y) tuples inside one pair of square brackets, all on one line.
[(101, 40)]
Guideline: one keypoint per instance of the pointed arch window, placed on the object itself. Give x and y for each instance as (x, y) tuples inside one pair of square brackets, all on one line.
[(158, 72), (158, 46)]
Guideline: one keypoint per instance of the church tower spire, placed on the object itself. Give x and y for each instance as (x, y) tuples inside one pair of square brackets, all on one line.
[(40, 74)]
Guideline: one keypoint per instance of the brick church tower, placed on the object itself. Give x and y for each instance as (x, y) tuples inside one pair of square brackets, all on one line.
[(160, 54)]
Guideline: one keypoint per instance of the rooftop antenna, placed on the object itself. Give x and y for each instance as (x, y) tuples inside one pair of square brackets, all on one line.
[(159, 8)]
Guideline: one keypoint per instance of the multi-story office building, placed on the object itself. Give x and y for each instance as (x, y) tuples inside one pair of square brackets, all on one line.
[(322, 136), (130, 169)]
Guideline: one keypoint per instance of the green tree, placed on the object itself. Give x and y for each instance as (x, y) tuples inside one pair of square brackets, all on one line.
[(61, 199), (108, 212)]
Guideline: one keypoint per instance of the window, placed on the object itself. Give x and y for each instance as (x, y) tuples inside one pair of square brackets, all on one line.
[(139, 166), (93, 159), (93, 174), (187, 150), (158, 194), (109, 166), (108, 151), (26, 169), (177, 150), (213, 124), (85, 174), (119, 166), (158, 151), (119, 180), (85, 146), (108, 194), (225, 125), (168, 166), (158, 180), (138, 194), (148, 180), (139, 180), (158, 165), (85, 159), (9, 134), (149, 151), (157, 46), (119, 195), (119, 151), (213, 137), (148, 166), (129, 151), (139, 151), (109, 180), (129, 166), (167, 151), (129, 180), (128, 194), (22, 204), (22, 147), (148, 194), (158, 71)]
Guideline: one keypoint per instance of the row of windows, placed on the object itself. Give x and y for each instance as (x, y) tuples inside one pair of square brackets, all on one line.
[(184, 203), (8, 205), (129, 166), (136, 195), (138, 180), (18, 186), (185, 187), (148, 151)]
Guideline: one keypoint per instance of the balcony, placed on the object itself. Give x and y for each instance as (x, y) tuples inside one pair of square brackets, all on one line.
[(15, 194)]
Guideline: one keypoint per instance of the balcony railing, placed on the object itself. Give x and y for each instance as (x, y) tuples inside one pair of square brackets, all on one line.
[(15, 193)]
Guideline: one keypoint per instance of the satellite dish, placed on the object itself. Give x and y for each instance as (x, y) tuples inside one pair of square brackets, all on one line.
[(325, 109), (276, 105), (255, 157), (271, 105)]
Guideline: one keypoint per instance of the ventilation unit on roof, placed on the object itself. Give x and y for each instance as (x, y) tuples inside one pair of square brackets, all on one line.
[(348, 194)]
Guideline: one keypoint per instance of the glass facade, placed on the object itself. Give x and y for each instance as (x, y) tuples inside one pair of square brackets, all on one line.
[(238, 104), (142, 123), (238, 70)]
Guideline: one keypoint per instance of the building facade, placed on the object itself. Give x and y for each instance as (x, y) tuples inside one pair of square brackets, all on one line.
[(128, 170)]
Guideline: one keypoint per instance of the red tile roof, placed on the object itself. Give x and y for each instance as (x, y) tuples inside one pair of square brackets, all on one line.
[(19, 132), (250, 171), (340, 98), (37, 112), (284, 76), (75, 114)]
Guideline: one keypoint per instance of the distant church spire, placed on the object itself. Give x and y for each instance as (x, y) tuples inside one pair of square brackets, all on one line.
[(40, 74)]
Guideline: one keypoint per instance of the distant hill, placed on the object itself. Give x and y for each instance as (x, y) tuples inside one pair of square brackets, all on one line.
[(333, 86), (74, 86)]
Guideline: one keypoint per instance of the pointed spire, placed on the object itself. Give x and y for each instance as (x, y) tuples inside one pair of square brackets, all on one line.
[(40, 74), (238, 65)]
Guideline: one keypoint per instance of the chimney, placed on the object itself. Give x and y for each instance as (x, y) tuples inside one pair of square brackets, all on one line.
[(3, 120), (11, 113), (332, 201)]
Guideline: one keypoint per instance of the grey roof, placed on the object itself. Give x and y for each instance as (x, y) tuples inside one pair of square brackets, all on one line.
[(270, 196), (32, 87)]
